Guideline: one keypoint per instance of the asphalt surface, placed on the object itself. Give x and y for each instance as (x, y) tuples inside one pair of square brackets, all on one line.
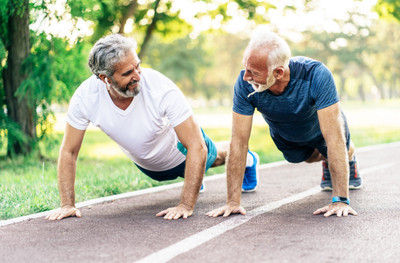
[(279, 225)]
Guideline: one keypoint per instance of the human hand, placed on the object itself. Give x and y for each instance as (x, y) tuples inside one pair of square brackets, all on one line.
[(63, 212), (226, 210), (338, 208), (176, 212)]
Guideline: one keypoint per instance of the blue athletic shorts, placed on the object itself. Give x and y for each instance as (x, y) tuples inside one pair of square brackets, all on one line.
[(180, 169), (296, 152)]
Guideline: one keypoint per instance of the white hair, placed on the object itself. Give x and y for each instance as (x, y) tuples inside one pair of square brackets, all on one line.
[(109, 51), (279, 51)]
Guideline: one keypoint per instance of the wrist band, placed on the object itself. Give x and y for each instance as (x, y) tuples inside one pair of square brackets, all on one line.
[(340, 199)]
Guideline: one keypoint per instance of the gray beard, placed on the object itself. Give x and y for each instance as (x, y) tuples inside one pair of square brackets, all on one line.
[(262, 87), (126, 93)]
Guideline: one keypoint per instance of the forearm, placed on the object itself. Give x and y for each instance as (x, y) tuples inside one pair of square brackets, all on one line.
[(236, 165), (66, 178), (194, 173), (339, 168)]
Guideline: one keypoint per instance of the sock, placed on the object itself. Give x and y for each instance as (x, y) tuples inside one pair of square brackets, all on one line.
[(250, 160)]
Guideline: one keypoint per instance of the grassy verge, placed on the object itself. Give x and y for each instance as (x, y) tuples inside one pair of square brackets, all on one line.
[(29, 185)]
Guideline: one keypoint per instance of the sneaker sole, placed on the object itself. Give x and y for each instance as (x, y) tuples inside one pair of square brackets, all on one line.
[(249, 191), (202, 190), (351, 187), (326, 188)]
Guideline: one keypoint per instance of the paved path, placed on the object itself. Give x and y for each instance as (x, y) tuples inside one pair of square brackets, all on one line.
[(279, 226)]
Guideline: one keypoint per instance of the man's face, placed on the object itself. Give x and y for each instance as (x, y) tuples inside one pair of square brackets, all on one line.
[(256, 71), (127, 76)]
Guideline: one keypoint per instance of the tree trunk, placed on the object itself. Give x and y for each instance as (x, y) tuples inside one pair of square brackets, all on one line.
[(129, 11), (19, 109), (392, 90), (361, 92), (342, 90), (149, 31), (104, 24), (377, 84)]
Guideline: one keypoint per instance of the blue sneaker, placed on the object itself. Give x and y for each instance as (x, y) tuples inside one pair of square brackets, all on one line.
[(202, 188), (251, 175), (355, 181)]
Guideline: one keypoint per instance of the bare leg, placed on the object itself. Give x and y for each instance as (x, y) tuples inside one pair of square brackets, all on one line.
[(222, 153), (351, 151), (317, 156)]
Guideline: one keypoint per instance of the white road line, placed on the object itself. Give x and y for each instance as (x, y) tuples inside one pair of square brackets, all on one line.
[(202, 237), (377, 147)]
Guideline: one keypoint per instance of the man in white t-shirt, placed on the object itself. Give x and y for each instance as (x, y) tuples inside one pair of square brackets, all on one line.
[(148, 117)]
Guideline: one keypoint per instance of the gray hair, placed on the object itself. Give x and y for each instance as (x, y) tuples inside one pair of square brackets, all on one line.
[(279, 51), (109, 51)]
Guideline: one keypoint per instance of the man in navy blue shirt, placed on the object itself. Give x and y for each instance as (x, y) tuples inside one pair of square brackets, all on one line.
[(298, 99)]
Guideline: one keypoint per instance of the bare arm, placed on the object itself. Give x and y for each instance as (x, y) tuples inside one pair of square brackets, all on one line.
[(66, 172), (236, 164), (190, 136), (331, 124)]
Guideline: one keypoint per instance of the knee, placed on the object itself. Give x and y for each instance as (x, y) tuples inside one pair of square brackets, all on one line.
[(316, 156), (351, 151)]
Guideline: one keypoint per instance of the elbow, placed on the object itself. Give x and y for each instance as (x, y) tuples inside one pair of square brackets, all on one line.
[(68, 154), (203, 150), (200, 150), (238, 144)]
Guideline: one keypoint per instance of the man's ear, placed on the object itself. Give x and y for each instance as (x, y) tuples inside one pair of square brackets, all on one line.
[(278, 72), (104, 78)]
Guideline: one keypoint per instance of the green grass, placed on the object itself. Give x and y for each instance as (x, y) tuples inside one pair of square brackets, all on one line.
[(29, 185)]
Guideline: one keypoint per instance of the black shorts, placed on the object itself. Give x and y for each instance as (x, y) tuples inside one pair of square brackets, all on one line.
[(296, 152)]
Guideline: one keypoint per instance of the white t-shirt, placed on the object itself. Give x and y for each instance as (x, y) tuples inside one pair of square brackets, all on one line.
[(144, 131)]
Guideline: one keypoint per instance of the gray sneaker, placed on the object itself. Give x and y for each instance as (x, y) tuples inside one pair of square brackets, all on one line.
[(326, 182), (355, 181)]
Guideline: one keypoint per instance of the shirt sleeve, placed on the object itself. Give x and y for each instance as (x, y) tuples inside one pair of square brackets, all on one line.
[(323, 89), (175, 107), (75, 116), (241, 102)]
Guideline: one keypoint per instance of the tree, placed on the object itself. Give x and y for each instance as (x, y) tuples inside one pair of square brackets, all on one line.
[(36, 65), (35, 74), (15, 38)]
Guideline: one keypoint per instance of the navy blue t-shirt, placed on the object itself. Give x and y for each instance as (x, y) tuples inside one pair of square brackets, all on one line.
[(292, 114)]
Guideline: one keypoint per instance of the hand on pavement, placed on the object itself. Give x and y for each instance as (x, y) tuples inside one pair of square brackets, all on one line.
[(340, 209), (226, 210), (63, 212), (176, 212)]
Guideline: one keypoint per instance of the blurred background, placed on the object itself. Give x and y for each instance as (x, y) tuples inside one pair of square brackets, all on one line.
[(198, 44)]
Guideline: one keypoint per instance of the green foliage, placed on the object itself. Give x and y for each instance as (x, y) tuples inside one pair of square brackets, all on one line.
[(4, 15), (185, 57), (7, 126), (361, 56), (49, 68), (388, 9)]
